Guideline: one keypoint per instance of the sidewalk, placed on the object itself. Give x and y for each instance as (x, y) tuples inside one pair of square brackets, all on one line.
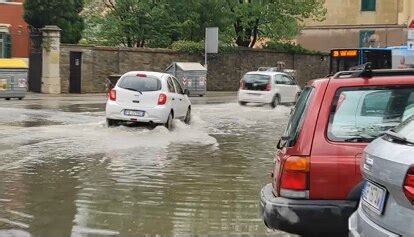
[(210, 97)]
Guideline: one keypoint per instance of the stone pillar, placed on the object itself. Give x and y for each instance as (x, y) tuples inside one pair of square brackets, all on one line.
[(51, 60)]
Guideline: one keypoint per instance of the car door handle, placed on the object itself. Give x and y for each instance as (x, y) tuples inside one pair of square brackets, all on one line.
[(173, 98), (181, 99)]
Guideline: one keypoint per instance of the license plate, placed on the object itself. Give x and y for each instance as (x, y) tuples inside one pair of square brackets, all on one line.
[(373, 197), (254, 94), (135, 113)]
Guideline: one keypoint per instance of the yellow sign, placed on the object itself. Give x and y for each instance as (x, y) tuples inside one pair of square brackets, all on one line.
[(344, 53)]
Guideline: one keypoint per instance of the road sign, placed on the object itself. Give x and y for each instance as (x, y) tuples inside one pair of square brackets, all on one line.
[(212, 40), (211, 44)]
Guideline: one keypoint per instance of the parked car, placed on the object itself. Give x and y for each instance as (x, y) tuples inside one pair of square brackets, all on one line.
[(387, 203), (268, 87), (317, 182), (147, 97)]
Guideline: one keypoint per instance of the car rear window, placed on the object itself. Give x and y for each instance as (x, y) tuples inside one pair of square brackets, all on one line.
[(297, 117), (256, 81), (363, 114), (137, 83)]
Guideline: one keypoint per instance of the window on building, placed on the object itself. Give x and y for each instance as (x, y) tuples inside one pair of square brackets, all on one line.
[(364, 36), (5, 45), (368, 5)]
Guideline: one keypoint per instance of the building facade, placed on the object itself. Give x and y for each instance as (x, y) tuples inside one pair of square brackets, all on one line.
[(359, 23), (14, 32)]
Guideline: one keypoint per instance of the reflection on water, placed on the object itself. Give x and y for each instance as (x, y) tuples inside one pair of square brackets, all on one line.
[(72, 176)]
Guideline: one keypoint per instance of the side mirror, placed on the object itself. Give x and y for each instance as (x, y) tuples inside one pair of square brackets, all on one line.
[(186, 92), (282, 142)]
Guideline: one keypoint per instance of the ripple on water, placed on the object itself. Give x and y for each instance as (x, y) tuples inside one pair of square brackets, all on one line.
[(203, 178)]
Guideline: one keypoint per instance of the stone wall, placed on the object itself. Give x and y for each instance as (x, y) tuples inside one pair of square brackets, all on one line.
[(225, 69)]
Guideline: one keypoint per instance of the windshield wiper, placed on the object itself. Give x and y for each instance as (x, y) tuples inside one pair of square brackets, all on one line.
[(360, 138), (397, 137), (132, 89)]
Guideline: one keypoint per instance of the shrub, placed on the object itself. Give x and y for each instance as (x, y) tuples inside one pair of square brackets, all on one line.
[(289, 48), (185, 46)]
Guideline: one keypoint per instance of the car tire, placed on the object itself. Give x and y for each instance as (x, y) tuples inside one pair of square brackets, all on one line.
[(169, 123), (275, 102), (200, 95), (242, 103), (20, 98), (187, 119), (111, 123), (7, 98)]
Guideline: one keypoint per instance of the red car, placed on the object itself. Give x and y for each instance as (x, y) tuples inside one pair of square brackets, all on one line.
[(316, 179)]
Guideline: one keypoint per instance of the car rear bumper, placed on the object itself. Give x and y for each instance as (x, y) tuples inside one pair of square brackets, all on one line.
[(158, 114), (361, 225), (305, 217), (255, 96)]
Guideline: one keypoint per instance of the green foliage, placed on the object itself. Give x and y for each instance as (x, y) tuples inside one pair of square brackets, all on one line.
[(289, 48), (63, 13), (186, 46), (159, 23), (132, 23), (274, 19)]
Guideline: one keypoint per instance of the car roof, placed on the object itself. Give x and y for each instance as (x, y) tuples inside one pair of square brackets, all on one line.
[(267, 73), (378, 76), (148, 73)]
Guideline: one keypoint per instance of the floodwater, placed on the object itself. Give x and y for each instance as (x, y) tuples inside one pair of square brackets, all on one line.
[(64, 173)]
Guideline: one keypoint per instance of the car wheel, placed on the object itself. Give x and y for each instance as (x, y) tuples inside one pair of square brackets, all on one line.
[(169, 123), (112, 122), (242, 103), (187, 119), (7, 98), (20, 98), (275, 102), (201, 95)]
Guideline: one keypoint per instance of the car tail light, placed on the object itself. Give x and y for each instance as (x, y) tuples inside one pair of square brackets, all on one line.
[(112, 95), (409, 185), (162, 99), (269, 87), (242, 84), (294, 180)]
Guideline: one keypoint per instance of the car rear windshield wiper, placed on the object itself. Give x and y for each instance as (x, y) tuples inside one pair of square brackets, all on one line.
[(132, 89), (397, 137)]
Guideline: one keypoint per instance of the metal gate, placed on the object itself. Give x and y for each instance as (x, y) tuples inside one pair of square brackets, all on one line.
[(75, 80), (35, 60)]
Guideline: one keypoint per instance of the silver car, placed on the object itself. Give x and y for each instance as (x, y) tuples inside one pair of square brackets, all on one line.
[(387, 202)]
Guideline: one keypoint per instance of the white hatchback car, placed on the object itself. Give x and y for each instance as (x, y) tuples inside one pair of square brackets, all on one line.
[(147, 97), (267, 87)]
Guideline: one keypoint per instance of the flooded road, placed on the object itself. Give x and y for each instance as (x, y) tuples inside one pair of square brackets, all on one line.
[(63, 173)]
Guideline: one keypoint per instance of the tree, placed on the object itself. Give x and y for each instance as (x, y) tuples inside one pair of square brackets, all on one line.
[(275, 19), (63, 13), (159, 23), (132, 23)]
